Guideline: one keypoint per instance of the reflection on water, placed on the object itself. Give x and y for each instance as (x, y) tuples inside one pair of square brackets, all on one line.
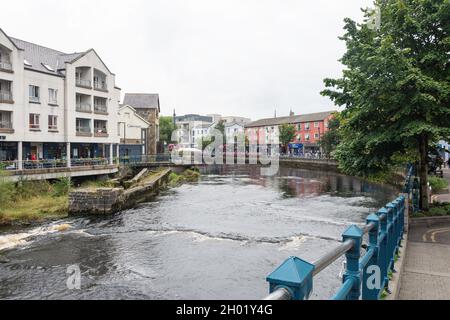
[(216, 239)]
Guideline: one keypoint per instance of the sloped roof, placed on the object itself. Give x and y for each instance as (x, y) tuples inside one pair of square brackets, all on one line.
[(320, 116), (142, 100), (122, 106), (38, 55)]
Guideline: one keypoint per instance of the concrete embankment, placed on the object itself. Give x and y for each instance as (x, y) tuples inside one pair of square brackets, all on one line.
[(112, 200)]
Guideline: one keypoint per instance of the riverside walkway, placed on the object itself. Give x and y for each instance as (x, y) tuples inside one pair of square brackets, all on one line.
[(426, 274)]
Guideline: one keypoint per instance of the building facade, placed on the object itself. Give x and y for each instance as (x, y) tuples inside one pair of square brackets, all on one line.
[(55, 105), (147, 106), (309, 130), (133, 132)]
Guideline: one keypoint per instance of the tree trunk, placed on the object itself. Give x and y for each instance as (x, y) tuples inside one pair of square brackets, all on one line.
[(423, 172)]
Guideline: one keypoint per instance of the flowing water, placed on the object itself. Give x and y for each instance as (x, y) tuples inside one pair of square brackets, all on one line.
[(216, 239)]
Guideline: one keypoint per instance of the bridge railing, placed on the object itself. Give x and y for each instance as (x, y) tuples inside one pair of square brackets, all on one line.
[(368, 266), (145, 159), (51, 163)]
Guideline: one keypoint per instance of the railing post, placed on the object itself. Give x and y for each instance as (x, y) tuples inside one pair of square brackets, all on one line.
[(402, 216), (391, 240), (353, 271), (296, 276), (383, 256), (394, 205), (372, 292)]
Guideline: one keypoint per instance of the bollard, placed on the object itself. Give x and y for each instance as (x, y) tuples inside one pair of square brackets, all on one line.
[(383, 246), (296, 276), (371, 293), (353, 271)]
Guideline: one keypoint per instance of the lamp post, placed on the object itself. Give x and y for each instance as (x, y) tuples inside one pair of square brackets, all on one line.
[(124, 136)]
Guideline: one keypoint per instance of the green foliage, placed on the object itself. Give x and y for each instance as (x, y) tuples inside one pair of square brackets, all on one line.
[(437, 183), (436, 210), (189, 175), (62, 187), (287, 134), (166, 127), (6, 193), (331, 139), (395, 86)]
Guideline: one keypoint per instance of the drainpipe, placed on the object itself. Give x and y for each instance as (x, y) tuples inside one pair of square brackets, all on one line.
[(68, 157)]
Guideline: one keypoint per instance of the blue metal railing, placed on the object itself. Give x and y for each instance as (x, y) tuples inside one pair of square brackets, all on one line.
[(367, 275)]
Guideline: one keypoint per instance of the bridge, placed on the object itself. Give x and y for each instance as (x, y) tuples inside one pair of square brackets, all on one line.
[(367, 276)]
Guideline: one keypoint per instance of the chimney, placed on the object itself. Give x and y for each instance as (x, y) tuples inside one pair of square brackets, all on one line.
[(291, 113)]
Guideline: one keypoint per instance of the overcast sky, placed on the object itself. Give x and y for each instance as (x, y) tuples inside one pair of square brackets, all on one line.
[(232, 57)]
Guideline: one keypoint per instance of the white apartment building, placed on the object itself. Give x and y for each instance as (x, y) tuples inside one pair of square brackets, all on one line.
[(55, 105), (133, 132)]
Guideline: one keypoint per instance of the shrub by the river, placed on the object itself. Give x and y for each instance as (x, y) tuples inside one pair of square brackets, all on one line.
[(436, 210), (62, 187), (437, 183), (189, 175), (27, 201)]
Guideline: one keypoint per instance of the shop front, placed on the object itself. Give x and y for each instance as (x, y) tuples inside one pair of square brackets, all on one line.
[(8, 151), (89, 150)]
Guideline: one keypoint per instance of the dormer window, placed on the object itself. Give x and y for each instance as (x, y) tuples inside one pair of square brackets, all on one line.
[(46, 66)]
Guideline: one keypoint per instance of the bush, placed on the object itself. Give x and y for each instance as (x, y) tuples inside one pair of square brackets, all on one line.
[(437, 184), (62, 187), (6, 193), (30, 189)]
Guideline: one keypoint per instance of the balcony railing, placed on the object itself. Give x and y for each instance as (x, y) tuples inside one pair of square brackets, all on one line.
[(83, 107), (81, 129), (52, 127), (100, 108), (35, 126), (83, 83), (53, 102), (5, 65), (100, 86), (5, 96)]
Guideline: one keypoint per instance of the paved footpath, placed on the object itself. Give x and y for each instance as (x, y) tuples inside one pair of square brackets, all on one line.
[(426, 274)]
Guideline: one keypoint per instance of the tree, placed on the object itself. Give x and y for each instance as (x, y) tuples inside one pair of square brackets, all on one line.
[(331, 139), (166, 127), (220, 126), (395, 87), (287, 135)]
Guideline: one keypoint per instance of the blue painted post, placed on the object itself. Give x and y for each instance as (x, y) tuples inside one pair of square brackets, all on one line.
[(353, 271), (369, 289), (396, 203), (383, 242), (391, 240), (402, 217), (294, 275)]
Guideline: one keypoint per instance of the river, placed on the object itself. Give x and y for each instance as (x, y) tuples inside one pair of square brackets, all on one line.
[(215, 239)]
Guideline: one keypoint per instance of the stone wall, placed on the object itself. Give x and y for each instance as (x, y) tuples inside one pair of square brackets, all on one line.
[(111, 200), (311, 164)]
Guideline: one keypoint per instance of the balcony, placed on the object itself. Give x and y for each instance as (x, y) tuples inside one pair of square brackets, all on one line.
[(6, 67), (84, 107), (100, 86), (83, 131), (34, 99), (5, 123), (100, 129), (100, 106), (6, 97), (84, 83), (100, 81), (52, 128)]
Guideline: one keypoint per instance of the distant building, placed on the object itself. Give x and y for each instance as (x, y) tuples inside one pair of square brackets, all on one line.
[(234, 130), (148, 107), (190, 124), (133, 132), (309, 130)]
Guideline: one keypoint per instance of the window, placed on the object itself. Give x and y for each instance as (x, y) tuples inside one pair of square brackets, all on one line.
[(299, 127), (52, 122), (34, 93), (316, 124), (306, 126), (307, 137), (316, 136), (52, 96), (34, 121), (100, 127)]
